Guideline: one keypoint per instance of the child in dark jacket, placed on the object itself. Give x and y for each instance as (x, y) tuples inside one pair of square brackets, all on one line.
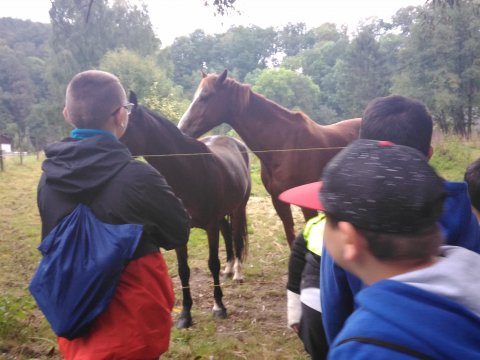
[(92, 167), (303, 292)]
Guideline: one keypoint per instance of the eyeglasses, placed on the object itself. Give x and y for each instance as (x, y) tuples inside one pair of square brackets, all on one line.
[(127, 106)]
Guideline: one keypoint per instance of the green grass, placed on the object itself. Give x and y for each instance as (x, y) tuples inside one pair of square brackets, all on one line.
[(451, 156)]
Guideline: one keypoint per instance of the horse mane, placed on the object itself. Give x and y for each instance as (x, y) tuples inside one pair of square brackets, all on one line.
[(158, 117), (240, 91), (173, 130), (243, 95)]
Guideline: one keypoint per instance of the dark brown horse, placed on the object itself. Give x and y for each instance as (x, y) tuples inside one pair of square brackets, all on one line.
[(292, 148), (212, 177)]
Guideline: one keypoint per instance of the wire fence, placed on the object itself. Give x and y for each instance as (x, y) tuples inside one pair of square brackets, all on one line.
[(20, 156)]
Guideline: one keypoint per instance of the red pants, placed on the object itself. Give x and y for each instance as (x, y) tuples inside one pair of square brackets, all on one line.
[(138, 321)]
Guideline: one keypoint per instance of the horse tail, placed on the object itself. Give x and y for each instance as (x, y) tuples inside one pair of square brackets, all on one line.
[(243, 231), (245, 236), (238, 231)]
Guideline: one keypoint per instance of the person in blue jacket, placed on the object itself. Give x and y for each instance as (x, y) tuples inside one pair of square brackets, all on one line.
[(383, 203), (472, 178), (403, 121)]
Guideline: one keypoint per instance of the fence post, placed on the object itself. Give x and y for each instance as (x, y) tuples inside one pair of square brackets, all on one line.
[(1, 160)]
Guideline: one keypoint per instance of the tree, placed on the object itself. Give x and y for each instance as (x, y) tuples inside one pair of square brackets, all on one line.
[(441, 63), (147, 80), (362, 74), (244, 49), (108, 28), (190, 54), (288, 88), (25, 37), (240, 50), (221, 7), (16, 94), (319, 63), (293, 38)]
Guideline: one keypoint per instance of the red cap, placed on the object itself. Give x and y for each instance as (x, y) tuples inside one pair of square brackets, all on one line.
[(306, 196)]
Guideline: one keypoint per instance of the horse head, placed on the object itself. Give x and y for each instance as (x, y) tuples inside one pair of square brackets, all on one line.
[(209, 107), (133, 136)]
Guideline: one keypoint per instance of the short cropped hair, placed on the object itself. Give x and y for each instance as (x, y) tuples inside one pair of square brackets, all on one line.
[(92, 97), (396, 247), (472, 178), (399, 119), (420, 245)]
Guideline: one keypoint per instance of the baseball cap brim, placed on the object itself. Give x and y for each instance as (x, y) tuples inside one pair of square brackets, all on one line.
[(304, 196)]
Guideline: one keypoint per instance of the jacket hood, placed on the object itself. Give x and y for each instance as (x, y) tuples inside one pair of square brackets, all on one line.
[(76, 166), (424, 321), (459, 223), (456, 276)]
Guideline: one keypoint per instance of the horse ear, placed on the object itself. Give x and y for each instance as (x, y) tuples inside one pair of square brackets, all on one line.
[(132, 97), (222, 77), (204, 74)]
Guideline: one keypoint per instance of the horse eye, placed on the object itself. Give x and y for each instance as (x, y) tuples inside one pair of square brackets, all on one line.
[(205, 97)]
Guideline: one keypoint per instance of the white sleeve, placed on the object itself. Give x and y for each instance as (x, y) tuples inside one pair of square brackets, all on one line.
[(294, 308)]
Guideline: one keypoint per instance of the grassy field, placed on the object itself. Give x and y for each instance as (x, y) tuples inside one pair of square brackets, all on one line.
[(256, 323)]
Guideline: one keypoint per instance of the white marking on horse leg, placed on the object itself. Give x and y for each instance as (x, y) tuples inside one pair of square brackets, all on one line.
[(216, 307), (228, 268), (238, 270)]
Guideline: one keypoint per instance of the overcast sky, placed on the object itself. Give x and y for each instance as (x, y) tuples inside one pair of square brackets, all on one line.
[(172, 18)]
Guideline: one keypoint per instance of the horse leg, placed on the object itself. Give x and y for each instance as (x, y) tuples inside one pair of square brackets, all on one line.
[(226, 230), (219, 310), (285, 214), (309, 213), (240, 236), (185, 318)]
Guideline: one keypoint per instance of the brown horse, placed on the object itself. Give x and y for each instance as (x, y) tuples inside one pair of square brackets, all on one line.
[(292, 148), (212, 177)]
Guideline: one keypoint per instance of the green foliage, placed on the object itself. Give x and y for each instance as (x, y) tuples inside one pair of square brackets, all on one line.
[(440, 62), (135, 72), (292, 39), (245, 49), (288, 88), (319, 63), (240, 50), (150, 82), (361, 75), (16, 91), (25, 37), (190, 54), (107, 28)]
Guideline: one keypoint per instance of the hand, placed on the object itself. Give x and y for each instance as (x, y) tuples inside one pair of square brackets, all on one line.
[(295, 327)]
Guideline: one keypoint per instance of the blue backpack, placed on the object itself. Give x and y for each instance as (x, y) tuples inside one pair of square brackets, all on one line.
[(83, 259)]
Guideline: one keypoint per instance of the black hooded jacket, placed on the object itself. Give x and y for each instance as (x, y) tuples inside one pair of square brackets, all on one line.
[(100, 172)]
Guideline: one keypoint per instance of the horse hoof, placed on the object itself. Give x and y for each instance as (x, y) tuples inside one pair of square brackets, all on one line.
[(238, 281), (184, 322), (220, 314)]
